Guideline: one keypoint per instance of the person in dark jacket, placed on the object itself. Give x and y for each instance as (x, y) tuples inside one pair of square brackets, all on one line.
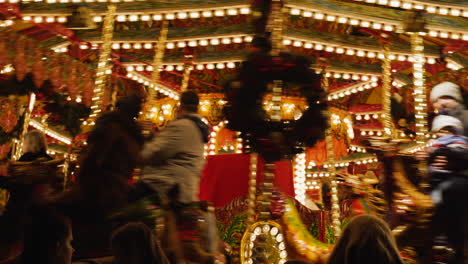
[(101, 187)]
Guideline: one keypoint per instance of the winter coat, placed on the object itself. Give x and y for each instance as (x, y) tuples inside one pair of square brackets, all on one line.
[(175, 157)]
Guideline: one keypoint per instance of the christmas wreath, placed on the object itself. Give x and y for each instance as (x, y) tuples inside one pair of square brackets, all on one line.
[(245, 113)]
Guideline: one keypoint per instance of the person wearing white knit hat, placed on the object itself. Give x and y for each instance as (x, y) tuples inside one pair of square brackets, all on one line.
[(450, 182), (447, 99)]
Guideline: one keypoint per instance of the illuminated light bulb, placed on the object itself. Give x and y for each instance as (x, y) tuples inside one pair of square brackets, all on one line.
[(319, 16), (377, 26), (336, 75), (346, 76), (50, 19), (231, 65), (83, 46), (97, 19), (375, 116), (342, 20), (192, 43), (407, 5), (181, 44), (214, 42), (200, 67), (133, 18), (237, 40), (194, 14), (219, 13), (444, 35), (363, 133), (169, 16), (388, 28), (433, 33), (391, 57), (401, 57), (361, 53), (145, 18), (455, 36), (366, 117), (169, 68), (137, 46), (340, 50), (365, 23), (287, 42), (232, 12), (121, 18), (297, 43), (350, 52), (170, 45), (443, 11), (148, 46), (25, 18), (115, 46), (431, 61), (355, 77), (210, 66), (306, 14), (38, 19), (295, 12), (130, 68), (331, 18), (455, 12), (203, 42), (365, 78), (220, 66), (358, 117), (180, 68), (371, 54), (354, 22), (248, 39), (139, 68), (182, 15), (126, 46), (329, 49), (226, 41), (319, 47), (157, 17), (245, 10), (207, 14), (371, 133)]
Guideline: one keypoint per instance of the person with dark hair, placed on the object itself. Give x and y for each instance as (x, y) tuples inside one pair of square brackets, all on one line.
[(366, 239), (134, 243), (101, 186)]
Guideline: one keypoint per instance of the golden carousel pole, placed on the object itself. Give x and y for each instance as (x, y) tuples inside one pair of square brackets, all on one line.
[(265, 227), (335, 203), (104, 67), (386, 91), (157, 62)]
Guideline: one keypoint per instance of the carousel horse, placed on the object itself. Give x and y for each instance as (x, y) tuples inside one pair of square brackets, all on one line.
[(30, 184)]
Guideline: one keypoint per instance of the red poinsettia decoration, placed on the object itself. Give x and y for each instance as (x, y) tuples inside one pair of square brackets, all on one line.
[(21, 64), (72, 86), (8, 115), (4, 58), (4, 150), (55, 74), (38, 71)]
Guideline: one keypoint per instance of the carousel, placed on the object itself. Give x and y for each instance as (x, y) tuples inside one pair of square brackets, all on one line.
[(315, 106)]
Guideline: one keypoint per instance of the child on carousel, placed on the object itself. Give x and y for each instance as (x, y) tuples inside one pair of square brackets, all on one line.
[(449, 182)]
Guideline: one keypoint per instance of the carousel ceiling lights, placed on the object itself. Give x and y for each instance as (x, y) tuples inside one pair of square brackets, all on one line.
[(157, 87), (300, 177), (351, 50), (123, 16), (179, 66), (374, 22), (435, 8), (359, 87)]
